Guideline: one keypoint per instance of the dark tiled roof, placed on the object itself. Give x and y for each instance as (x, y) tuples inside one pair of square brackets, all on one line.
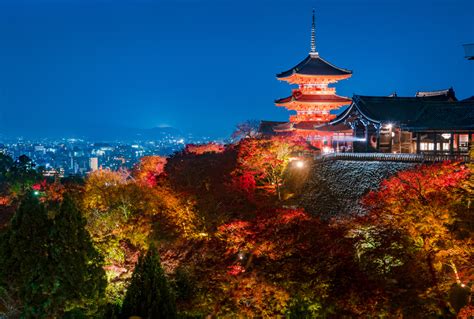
[(440, 95), (446, 116), (427, 113), (309, 98), (314, 65), (266, 127), (334, 127), (390, 109), (306, 125)]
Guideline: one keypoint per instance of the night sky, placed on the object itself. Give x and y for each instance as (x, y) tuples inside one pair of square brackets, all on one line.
[(74, 67)]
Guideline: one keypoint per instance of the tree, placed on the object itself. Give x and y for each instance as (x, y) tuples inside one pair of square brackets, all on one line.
[(200, 149), (147, 171), (124, 213), (18, 176), (425, 204), (266, 160), (6, 163), (149, 294), (247, 129), (48, 259)]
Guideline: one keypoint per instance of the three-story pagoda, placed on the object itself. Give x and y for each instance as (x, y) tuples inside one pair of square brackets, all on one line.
[(314, 99)]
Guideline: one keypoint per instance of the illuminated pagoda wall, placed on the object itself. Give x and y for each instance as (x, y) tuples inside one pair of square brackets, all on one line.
[(314, 99)]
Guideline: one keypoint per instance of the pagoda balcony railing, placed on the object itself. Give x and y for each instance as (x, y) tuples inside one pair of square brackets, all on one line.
[(394, 157), (314, 117)]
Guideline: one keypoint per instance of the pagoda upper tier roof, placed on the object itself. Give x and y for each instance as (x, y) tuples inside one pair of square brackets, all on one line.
[(314, 65), (313, 98)]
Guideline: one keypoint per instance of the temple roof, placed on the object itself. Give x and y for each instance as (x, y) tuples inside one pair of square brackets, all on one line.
[(313, 98), (445, 116), (306, 125), (447, 94), (416, 113), (314, 65), (328, 127), (266, 127)]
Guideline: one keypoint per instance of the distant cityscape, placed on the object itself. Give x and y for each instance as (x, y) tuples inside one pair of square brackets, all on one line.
[(65, 157)]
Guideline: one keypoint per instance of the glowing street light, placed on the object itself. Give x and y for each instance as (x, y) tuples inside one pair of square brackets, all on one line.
[(299, 164)]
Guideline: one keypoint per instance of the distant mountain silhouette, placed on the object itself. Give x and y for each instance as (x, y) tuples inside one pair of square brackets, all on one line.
[(136, 134), (103, 133)]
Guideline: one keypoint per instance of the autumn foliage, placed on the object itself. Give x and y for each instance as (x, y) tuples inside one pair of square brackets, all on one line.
[(200, 149), (233, 243), (427, 208)]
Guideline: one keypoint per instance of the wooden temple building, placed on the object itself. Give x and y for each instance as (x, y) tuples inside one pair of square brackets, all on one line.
[(429, 123), (433, 122)]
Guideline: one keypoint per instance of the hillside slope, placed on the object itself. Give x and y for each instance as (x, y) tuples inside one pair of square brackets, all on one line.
[(334, 188)]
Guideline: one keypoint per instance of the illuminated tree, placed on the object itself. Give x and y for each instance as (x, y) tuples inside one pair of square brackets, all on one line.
[(147, 171), (200, 149), (266, 160), (108, 201), (278, 263), (423, 204), (123, 214)]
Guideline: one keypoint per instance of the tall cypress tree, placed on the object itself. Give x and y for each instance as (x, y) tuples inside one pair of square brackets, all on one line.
[(149, 295), (49, 260)]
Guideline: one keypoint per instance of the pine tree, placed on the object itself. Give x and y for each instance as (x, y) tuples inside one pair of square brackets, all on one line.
[(49, 260), (149, 295)]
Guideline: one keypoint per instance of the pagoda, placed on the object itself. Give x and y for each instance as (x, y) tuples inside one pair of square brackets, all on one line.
[(314, 99)]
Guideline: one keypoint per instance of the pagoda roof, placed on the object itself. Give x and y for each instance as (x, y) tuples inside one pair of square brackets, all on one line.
[(314, 98), (414, 113), (314, 65)]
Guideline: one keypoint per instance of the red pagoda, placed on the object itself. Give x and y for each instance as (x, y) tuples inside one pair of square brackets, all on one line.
[(313, 100)]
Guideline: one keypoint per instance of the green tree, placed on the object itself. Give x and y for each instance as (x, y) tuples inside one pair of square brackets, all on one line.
[(6, 163), (48, 260), (149, 294)]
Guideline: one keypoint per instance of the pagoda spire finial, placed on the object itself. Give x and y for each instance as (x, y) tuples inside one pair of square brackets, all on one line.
[(313, 38)]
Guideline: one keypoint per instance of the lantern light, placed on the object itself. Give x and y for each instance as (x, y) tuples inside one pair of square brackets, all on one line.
[(300, 164)]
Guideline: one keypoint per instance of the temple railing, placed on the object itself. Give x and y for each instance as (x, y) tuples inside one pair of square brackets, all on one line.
[(391, 157)]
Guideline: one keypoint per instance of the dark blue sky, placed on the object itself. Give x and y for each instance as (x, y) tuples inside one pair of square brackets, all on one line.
[(76, 66)]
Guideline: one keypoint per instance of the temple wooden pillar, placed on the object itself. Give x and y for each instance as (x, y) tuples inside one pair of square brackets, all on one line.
[(378, 139), (457, 143), (451, 144), (391, 140), (469, 142), (418, 140)]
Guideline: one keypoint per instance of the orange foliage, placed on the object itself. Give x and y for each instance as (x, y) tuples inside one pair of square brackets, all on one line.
[(147, 171), (200, 149), (5, 200), (426, 204), (262, 162)]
